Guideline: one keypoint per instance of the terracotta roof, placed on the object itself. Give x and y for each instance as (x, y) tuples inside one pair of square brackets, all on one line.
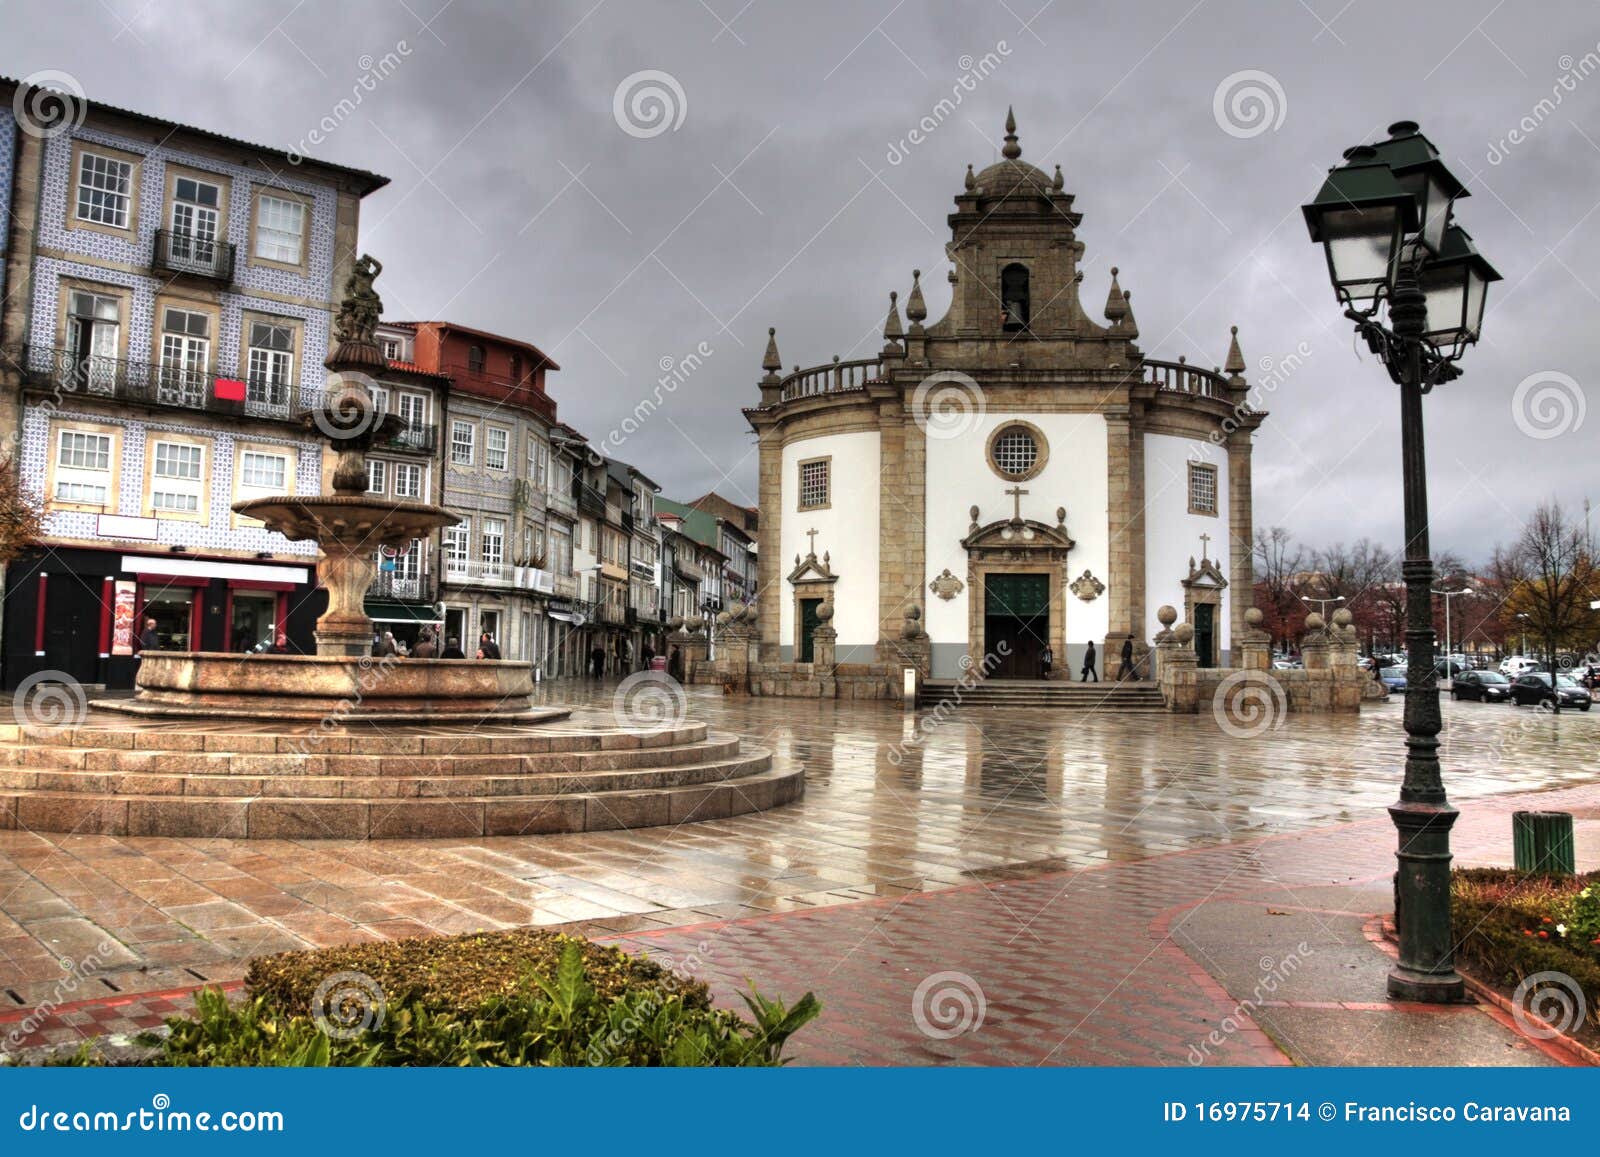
[(543, 357), (414, 368)]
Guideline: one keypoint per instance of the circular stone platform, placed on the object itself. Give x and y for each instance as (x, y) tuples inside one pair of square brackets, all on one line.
[(121, 776), (205, 684)]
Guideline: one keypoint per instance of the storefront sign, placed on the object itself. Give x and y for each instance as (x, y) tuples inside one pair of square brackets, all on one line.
[(123, 609)]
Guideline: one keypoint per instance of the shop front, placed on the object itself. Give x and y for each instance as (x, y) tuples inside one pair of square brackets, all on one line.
[(83, 612)]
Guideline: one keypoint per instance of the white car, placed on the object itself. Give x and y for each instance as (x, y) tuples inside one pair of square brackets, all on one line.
[(1516, 665)]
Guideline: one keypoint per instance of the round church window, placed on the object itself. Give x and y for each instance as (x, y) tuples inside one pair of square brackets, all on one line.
[(1017, 451)]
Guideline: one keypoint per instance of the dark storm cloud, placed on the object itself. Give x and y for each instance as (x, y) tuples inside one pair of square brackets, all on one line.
[(520, 205)]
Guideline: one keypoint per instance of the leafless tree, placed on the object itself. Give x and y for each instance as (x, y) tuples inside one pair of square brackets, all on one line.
[(1550, 580)]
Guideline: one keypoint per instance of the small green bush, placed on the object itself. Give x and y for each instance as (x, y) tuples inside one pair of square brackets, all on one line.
[(1508, 927), (460, 972), (559, 1017)]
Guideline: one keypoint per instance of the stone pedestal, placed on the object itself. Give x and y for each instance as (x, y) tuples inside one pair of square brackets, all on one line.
[(344, 630), (1179, 664), (1314, 647), (1255, 645)]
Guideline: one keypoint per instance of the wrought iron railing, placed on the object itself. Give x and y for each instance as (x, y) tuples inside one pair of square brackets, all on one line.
[(831, 378), (393, 585), (180, 252), (1180, 377), (62, 371), (418, 436)]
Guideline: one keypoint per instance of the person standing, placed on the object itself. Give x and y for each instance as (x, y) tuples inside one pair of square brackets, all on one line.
[(1047, 660), (487, 647), (150, 639), (675, 664), (452, 649), (426, 648), (597, 662), (1088, 671), (386, 648), (1128, 671)]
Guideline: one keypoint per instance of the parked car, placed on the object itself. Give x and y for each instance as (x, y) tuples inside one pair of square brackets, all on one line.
[(1393, 678), (1449, 668), (1484, 686), (1516, 666), (1535, 687)]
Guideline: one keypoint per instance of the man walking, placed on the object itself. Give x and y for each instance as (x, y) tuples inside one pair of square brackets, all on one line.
[(1128, 671), (1047, 659), (1088, 671)]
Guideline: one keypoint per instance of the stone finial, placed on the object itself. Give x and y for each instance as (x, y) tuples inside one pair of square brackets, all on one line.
[(1342, 618), (1116, 305), (1315, 622), (1061, 516), (1129, 326), (1253, 617), (916, 308), (1166, 616), (1011, 150), (1059, 182), (971, 181), (1235, 363), (1184, 633), (891, 326), (772, 363), (825, 610)]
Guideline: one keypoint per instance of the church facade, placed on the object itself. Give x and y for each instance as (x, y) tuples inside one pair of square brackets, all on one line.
[(1013, 477)]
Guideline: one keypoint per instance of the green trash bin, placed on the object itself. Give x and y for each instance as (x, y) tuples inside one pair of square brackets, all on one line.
[(1542, 842)]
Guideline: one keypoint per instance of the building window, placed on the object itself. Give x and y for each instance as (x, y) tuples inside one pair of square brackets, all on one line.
[(185, 357), (456, 543), (1014, 297), (263, 471), (538, 461), (407, 480), (83, 468), (105, 190), (1202, 489), (196, 214), (94, 331), (497, 444), (179, 471), (462, 437), (493, 542), (475, 359), (814, 483), (280, 229), (269, 365), (377, 475), (414, 409), (391, 348)]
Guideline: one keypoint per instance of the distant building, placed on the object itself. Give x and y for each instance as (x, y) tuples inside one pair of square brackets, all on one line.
[(168, 294)]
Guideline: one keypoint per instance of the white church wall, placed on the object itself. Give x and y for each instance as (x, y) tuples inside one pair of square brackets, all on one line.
[(959, 475), (847, 529), (1172, 534)]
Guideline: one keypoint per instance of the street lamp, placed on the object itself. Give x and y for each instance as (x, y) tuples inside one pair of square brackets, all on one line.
[(1448, 595), (1383, 218), (1322, 604)]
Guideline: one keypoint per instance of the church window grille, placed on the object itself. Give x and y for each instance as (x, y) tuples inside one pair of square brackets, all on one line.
[(1015, 452), (814, 483), (1202, 489)]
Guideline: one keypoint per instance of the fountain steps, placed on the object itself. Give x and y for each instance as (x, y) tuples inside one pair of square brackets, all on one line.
[(358, 783)]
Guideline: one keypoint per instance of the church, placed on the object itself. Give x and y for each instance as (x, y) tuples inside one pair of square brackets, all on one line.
[(1012, 477)]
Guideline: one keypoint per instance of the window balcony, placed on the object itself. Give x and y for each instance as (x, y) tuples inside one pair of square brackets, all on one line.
[(471, 570), (393, 585), (417, 437), (58, 371), (186, 253)]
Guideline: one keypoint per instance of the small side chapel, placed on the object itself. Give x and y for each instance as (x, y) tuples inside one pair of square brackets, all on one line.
[(1013, 476)]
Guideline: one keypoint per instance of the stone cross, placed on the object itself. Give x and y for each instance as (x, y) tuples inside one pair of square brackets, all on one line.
[(1205, 542), (1016, 493), (812, 535)]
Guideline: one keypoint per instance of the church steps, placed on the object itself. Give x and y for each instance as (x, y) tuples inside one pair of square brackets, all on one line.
[(1085, 697), (325, 817)]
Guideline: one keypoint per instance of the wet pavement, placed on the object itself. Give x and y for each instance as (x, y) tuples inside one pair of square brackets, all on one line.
[(1041, 851)]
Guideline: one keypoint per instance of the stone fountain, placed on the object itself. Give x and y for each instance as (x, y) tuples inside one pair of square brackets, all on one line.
[(343, 745), (349, 527)]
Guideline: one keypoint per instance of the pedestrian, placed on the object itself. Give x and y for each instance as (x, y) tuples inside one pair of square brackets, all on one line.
[(597, 662), (377, 641), (426, 648), (386, 646), (1047, 660), (675, 664), (647, 657), (280, 645), (1088, 671), (487, 647), (150, 639), (1127, 660), (452, 649)]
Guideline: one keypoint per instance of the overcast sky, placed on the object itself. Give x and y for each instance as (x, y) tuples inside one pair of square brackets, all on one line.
[(769, 195)]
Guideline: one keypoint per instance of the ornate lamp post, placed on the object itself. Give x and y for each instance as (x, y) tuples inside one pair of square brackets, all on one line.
[(1383, 218)]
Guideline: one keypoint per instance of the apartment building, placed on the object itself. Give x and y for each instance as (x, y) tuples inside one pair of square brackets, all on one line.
[(167, 305)]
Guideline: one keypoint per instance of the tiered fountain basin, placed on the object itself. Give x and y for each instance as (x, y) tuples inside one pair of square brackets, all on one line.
[(234, 778), (340, 688)]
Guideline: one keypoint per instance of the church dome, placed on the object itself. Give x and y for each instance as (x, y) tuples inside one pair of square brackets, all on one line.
[(1012, 175)]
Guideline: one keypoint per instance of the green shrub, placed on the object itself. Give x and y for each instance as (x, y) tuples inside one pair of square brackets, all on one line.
[(555, 1017), (460, 972), (1508, 927)]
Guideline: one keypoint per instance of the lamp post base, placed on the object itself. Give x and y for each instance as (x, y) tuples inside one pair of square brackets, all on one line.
[(1426, 988)]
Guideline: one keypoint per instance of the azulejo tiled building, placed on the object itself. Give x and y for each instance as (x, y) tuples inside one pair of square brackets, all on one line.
[(1013, 476)]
